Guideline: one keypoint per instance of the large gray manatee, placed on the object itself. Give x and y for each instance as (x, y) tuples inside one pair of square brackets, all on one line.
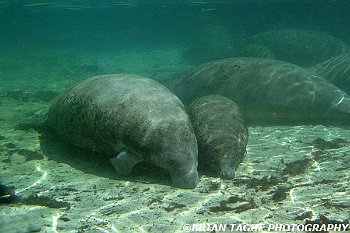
[(133, 117), (266, 90)]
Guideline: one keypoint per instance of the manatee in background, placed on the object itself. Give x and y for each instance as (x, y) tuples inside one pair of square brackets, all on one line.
[(221, 133), (130, 116), (266, 90), (299, 46), (336, 70)]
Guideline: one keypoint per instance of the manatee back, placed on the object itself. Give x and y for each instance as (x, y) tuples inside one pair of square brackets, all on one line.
[(104, 112), (265, 89)]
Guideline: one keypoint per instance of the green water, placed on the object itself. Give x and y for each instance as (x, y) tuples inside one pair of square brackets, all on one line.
[(292, 174)]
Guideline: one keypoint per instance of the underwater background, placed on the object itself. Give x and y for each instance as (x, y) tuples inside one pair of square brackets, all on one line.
[(291, 174)]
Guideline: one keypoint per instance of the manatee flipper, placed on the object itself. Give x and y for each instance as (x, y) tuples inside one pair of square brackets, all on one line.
[(124, 162)]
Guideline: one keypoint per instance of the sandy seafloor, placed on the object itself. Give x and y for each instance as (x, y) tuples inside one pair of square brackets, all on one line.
[(291, 174)]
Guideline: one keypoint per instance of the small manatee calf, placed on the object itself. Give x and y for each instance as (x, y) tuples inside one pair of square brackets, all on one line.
[(133, 117), (221, 133)]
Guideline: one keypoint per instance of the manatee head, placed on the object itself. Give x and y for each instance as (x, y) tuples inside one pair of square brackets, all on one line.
[(182, 169), (224, 161), (179, 152), (340, 109), (226, 170)]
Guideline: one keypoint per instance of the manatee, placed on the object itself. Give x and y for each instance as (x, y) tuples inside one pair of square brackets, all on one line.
[(336, 70), (221, 133), (267, 91), (299, 46), (132, 117)]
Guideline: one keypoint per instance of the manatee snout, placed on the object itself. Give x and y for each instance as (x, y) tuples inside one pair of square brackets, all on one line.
[(188, 180), (183, 168), (226, 167), (227, 173)]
